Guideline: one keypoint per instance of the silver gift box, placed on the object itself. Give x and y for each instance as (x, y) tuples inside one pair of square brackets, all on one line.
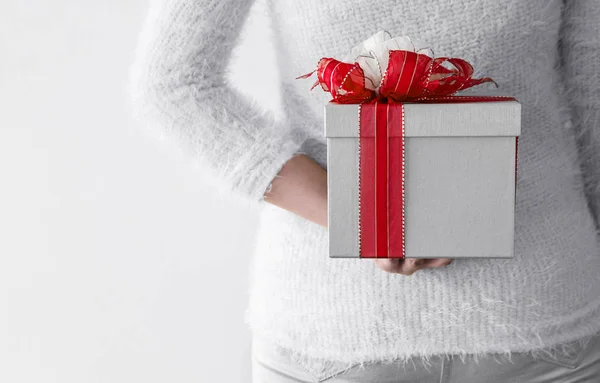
[(459, 179)]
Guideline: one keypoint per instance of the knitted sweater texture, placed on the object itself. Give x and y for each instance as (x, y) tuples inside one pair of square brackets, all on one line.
[(545, 53)]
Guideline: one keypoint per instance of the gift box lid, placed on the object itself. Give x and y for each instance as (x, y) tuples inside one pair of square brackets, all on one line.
[(490, 118)]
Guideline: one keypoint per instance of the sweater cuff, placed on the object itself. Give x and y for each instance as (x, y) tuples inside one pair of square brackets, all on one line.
[(264, 163)]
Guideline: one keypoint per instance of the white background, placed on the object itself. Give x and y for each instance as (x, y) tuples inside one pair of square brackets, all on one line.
[(117, 262)]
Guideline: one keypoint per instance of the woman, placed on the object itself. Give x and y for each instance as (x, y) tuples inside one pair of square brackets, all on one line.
[(534, 318)]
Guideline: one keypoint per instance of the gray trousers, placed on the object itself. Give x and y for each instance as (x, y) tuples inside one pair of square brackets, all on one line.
[(581, 364)]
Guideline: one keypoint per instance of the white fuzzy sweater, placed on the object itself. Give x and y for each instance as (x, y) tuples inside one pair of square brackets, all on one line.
[(545, 53)]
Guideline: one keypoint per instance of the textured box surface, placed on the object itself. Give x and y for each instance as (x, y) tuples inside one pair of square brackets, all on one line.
[(459, 179)]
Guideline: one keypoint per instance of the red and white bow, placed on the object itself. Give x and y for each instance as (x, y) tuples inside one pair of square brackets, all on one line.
[(392, 70)]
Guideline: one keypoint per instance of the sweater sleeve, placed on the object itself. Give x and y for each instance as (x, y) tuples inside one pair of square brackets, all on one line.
[(580, 51), (179, 90)]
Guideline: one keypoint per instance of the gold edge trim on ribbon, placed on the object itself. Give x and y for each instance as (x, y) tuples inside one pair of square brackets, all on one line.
[(403, 189), (358, 183)]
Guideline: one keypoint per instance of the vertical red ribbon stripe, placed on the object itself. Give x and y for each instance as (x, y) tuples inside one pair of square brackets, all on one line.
[(381, 176), (381, 141), (396, 137), (367, 227)]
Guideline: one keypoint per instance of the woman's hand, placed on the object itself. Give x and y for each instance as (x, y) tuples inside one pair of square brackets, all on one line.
[(408, 266), (301, 187)]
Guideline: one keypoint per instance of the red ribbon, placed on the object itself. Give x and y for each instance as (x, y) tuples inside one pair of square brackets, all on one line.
[(381, 181), (410, 76)]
